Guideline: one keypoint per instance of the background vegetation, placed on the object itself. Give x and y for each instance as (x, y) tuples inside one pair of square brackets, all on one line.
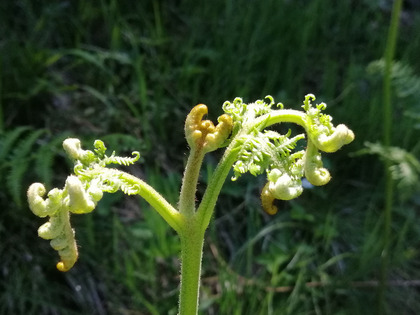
[(128, 72)]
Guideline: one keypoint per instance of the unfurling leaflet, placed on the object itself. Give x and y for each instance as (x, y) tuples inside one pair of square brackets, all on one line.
[(80, 194), (271, 152)]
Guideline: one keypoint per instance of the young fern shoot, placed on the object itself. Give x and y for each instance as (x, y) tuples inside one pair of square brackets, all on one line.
[(250, 147)]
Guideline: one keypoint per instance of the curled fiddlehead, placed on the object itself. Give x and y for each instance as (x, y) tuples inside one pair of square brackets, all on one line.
[(202, 133)]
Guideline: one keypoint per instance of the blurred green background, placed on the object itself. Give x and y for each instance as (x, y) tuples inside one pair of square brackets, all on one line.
[(128, 72)]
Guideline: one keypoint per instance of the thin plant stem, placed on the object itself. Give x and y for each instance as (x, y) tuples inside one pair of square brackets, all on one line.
[(387, 132)]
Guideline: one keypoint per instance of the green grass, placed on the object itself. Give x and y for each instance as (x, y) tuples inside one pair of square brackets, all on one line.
[(120, 68)]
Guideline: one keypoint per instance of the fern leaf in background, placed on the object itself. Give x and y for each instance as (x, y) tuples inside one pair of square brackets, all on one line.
[(7, 139), (406, 85), (19, 162), (405, 167)]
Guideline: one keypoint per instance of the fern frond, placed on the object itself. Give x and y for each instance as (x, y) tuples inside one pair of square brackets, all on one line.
[(80, 194), (128, 187), (283, 145), (405, 167), (404, 80), (19, 164), (270, 151), (121, 160), (263, 152), (7, 140), (251, 159)]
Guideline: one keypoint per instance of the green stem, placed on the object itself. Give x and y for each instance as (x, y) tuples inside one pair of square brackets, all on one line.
[(189, 182), (195, 225), (148, 193), (192, 239), (281, 116), (387, 132), (206, 208)]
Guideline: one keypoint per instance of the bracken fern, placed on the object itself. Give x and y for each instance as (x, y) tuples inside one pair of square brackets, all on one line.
[(17, 161)]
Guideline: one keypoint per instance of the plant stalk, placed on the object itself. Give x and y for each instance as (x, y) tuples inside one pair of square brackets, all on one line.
[(387, 132), (1, 103), (189, 182), (192, 239)]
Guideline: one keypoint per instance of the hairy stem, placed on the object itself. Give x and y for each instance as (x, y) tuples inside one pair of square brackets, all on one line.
[(206, 208), (192, 239), (189, 182)]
